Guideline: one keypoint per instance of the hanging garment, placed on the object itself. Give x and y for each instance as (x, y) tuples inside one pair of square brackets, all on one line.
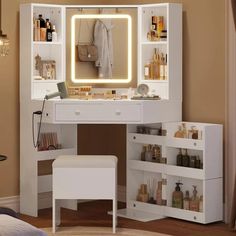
[(103, 42)]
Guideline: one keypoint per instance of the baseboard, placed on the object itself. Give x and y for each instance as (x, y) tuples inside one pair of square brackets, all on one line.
[(12, 202), (45, 200)]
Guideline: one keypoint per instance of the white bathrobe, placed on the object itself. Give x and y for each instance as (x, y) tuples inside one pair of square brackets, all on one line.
[(103, 41)]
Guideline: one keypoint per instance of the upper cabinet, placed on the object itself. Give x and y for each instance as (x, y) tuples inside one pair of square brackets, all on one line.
[(160, 49), (157, 28)]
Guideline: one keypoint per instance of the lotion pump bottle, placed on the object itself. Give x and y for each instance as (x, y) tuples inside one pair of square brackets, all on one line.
[(177, 197)]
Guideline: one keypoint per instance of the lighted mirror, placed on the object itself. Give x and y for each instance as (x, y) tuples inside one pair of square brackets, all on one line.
[(101, 46)]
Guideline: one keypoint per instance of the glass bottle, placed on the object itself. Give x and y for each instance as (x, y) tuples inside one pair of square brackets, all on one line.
[(177, 197), (194, 202), (148, 153), (147, 70), (155, 65), (162, 67), (185, 160), (159, 193), (201, 204), (166, 68), (54, 34), (143, 153), (179, 158), (49, 31), (186, 201), (179, 132)]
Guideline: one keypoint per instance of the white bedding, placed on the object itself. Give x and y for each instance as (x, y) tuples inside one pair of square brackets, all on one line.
[(10, 226)]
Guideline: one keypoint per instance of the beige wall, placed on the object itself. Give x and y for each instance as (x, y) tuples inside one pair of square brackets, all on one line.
[(203, 75)]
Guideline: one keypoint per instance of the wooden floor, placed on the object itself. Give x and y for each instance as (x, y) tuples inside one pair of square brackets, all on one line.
[(95, 214)]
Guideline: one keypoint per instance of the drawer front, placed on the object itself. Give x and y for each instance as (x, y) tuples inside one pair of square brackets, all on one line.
[(98, 112)]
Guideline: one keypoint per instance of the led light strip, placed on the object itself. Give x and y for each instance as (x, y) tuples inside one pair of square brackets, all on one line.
[(129, 53)]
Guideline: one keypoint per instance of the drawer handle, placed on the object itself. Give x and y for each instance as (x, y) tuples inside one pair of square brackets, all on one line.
[(77, 112), (195, 144), (118, 112)]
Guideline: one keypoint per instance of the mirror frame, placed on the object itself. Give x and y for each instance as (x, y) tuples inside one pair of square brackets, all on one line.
[(129, 52)]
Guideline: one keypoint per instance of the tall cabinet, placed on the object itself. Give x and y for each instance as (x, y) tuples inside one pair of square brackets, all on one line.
[(207, 176)]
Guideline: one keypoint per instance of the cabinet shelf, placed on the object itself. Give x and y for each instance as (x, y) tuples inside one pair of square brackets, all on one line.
[(146, 138), (185, 214), (185, 143), (46, 43), (154, 81), (154, 43), (146, 166), (53, 154), (186, 172), (47, 81)]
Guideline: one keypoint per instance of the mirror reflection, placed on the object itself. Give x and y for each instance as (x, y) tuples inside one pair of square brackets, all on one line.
[(101, 45)]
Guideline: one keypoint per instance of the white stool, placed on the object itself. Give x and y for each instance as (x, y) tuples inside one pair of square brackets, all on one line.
[(84, 177)]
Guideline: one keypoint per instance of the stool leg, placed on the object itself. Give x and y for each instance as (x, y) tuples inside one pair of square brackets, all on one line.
[(114, 218), (53, 215)]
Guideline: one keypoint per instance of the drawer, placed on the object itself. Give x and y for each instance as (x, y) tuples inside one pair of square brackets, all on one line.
[(99, 112)]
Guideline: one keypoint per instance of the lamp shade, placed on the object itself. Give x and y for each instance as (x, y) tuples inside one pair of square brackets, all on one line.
[(4, 41), (4, 45)]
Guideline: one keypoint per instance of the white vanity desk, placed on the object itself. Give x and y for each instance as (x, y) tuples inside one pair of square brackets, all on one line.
[(62, 116), (74, 111)]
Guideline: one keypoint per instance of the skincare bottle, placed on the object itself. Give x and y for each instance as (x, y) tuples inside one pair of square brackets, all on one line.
[(186, 158), (147, 71), (179, 158), (155, 65), (166, 68), (162, 68), (49, 31), (159, 193), (194, 202), (185, 134), (192, 162), (42, 28), (143, 153), (198, 162), (186, 201), (177, 197), (54, 34), (148, 153), (179, 133), (201, 204)]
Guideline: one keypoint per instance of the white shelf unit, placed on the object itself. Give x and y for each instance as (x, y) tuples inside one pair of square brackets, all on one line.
[(33, 186), (209, 179), (48, 50), (171, 88)]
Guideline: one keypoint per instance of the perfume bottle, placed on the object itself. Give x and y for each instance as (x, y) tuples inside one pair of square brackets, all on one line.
[(186, 201), (156, 65), (159, 193), (177, 197), (185, 159), (194, 202), (185, 134), (179, 158), (179, 132), (201, 204)]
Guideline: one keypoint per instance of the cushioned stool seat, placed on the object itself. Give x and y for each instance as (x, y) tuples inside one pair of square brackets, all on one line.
[(84, 177)]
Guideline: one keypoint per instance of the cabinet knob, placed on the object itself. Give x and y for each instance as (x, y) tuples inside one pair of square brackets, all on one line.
[(194, 217), (195, 144), (118, 112), (77, 112)]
